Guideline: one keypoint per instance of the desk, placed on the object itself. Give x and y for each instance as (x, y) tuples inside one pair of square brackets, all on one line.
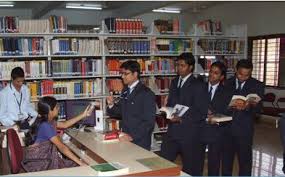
[(124, 152)]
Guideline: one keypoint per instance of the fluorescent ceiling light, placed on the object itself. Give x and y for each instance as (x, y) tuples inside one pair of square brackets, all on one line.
[(167, 10), (83, 6), (6, 4)]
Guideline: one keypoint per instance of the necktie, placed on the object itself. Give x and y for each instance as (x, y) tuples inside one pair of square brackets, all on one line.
[(210, 93), (180, 83), (239, 86)]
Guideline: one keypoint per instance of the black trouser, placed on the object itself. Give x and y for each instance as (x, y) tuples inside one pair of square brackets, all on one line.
[(213, 137), (191, 150), (242, 146)]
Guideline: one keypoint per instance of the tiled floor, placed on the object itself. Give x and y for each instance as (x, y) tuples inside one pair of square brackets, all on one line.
[(267, 151)]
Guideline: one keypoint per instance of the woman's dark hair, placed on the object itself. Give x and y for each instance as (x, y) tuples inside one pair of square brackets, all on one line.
[(45, 105)]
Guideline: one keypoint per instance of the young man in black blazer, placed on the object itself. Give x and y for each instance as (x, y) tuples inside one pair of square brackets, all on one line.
[(218, 103), (136, 107), (183, 135), (239, 138)]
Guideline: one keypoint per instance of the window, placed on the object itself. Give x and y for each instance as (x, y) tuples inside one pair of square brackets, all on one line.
[(265, 55)]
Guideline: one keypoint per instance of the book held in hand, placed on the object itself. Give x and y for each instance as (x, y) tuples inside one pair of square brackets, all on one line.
[(239, 99), (220, 118), (178, 110), (110, 169)]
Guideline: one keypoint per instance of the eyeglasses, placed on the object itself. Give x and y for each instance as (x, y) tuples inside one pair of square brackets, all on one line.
[(125, 73)]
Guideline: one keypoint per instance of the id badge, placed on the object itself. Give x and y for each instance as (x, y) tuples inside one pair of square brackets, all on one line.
[(21, 116)]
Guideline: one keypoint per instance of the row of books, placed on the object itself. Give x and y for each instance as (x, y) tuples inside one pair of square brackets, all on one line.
[(128, 46), (124, 26), (31, 68), (23, 46), (158, 65), (76, 67), (58, 24), (9, 24), (210, 27), (114, 86), (66, 89), (158, 84), (221, 46), (230, 63), (75, 46), (34, 26), (174, 46), (167, 26)]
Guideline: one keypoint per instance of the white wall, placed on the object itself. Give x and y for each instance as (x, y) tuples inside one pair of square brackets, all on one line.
[(261, 17), (21, 13)]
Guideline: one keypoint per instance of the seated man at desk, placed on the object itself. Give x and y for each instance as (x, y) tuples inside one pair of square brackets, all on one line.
[(44, 141), (136, 107), (15, 101)]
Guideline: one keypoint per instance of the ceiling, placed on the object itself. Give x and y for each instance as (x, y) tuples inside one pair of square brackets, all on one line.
[(118, 8)]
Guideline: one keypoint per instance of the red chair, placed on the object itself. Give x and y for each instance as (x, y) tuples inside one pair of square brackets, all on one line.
[(15, 151)]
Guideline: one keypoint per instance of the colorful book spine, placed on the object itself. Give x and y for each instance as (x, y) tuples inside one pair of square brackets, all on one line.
[(221, 46), (9, 24), (124, 26), (58, 24), (128, 46), (172, 46)]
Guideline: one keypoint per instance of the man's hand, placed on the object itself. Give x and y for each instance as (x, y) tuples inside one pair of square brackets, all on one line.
[(125, 137), (176, 119)]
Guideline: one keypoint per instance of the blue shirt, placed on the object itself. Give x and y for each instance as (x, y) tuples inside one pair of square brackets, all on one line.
[(46, 131)]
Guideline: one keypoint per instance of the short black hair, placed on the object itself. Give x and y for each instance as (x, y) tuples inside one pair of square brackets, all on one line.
[(188, 58), (221, 66), (131, 65), (17, 72), (244, 63)]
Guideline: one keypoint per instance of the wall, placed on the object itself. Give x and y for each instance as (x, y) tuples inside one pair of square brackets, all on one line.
[(261, 17), (21, 13)]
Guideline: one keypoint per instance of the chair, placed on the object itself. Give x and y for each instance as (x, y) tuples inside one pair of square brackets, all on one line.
[(279, 108), (15, 151), (269, 98)]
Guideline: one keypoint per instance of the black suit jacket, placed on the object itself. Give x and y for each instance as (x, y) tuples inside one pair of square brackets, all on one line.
[(192, 94), (218, 105), (138, 114), (243, 121)]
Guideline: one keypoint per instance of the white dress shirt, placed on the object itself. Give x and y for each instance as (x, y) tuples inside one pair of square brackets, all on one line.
[(133, 85), (183, 80), (12, 107), (214, 88)]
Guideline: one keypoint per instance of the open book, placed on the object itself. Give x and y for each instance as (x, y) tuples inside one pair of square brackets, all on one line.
[(178, 110), (220, 118), (110, 169), (239, 99)]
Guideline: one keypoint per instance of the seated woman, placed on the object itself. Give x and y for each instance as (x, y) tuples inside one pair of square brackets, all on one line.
[(42, 154)]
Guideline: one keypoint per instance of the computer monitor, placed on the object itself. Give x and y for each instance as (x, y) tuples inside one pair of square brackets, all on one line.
[(75, 107)]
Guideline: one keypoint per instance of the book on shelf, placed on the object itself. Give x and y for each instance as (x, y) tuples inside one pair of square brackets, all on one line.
[(114, 85), (229, 61), (66, 89), (221, 46), (10, 46), (34, 26), (58, 24), (77, 67), (110, 169), (241, 100), (210, 27), (32, 69), (128, 46), (177, 110), (172, 46), (218, 118), (76, 46), (167, 26), (9, 24), (124, 26), (158, 65)]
